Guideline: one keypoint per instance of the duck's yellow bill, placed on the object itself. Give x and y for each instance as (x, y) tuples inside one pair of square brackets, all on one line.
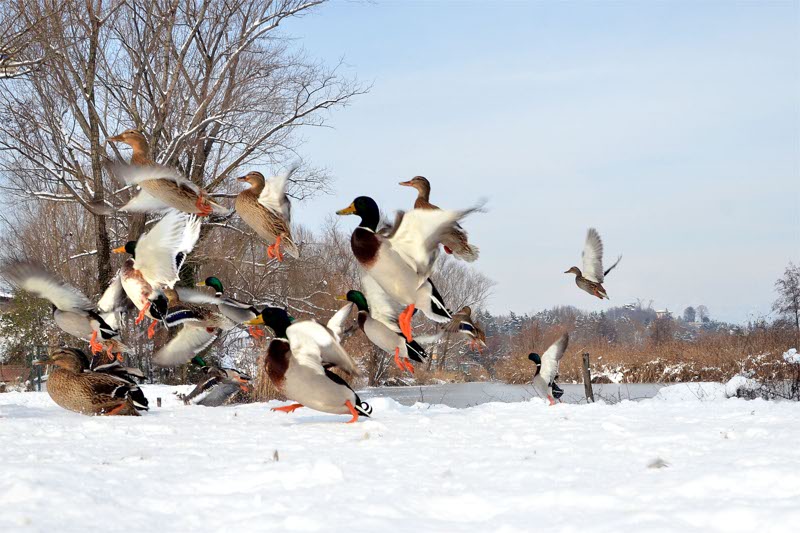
[(340, 297), (120, 250), (201, 284), (257, 321), (349, 210)]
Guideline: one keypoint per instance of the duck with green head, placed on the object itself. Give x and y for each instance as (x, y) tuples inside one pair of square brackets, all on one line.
[(400, 259), (379, 324), (236, 310), (298, 363)]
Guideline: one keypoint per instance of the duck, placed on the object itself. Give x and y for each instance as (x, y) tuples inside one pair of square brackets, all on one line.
[(462, 322), (544, 378), (73, 312), (219, 386), (400, 259), (73, 387), (377, 318), (236, 310), (298, 362), (454, 242), (155, 262), (265, 207), (592, 278), (161, 187), (201, 323)]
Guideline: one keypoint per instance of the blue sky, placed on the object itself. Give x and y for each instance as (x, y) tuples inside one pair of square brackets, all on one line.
[(671, 127)]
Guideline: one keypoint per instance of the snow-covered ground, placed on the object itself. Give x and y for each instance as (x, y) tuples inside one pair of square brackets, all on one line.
[(682, 461)]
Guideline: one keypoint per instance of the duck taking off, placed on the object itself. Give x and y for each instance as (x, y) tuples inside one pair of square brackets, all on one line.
[(544, 379), (593, 275), (298, 363)]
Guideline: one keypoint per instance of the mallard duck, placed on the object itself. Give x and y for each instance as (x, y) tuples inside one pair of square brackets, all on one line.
[(298, 362), (155, 262), (201, 324), (218, 387), (73, 312), (265, 208), (592, 277), (455, 241), (238, 311), (75, 388), (401, 259), (544, 378), (161, 187), (463, 322), (377, 318)]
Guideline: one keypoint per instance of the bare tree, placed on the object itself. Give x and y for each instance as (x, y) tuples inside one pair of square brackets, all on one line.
[(788, 302)]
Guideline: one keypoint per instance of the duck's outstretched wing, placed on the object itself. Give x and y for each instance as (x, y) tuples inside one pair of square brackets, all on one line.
[(189, 341), (593, 257), (341, 323), (157, 249), (314, 346), (552, 357), (34, 278), (273, 197)]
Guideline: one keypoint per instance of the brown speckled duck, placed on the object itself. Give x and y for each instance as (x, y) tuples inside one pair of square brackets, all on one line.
[(456, 241), (161, 187), (75, 388), (265, 208), (593, 275), (464, 323)]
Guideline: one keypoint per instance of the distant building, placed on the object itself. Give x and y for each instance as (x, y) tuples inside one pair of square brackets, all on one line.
[(663, 313)]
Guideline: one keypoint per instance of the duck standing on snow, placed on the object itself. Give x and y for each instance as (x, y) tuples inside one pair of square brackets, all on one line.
[(592, 277), (401, 259), (265, 207), (298, 362), (463, 323), (155, 262), (161, 187), (377, 318), (544, 380), (455, 241), (73, 312), (75, 388), (236, 310), (219, 386)]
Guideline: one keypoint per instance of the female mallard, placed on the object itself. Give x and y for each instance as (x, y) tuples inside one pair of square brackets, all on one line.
[(219, 386), (544, 378), (161, 187), (377, 318), (73, 312), (592, 277), (265, 208), (75, 388), (402, 258), (463, 322), (236, 310), (155, 262), (298, 361), (455, 241), (201, 325)]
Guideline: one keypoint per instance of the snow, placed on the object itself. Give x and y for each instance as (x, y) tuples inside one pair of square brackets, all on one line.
[(792, 356), (741, 384), (677, 462)]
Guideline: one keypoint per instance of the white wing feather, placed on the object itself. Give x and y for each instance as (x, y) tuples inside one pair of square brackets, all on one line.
[(136, 174), (156, 249), (551, 358), (340, 323), (112, 301), (273, 197), (593, 257), (418, 236), (144, 202), (381, 307), (189, 341), (312, 345), (35, 279)]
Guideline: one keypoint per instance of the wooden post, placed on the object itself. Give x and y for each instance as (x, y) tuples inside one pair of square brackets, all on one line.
[(587, 379), (158, 402)]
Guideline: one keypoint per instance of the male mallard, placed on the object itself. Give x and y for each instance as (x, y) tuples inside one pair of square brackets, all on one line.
[(75, 388), (236, 310), (298, 361), (201, 323), (218, 387), (402, 258), (455, 241), (72, 310), (463, 322), (161, 187), (591, 279), (265, 208), (155, 262), (544, 378), (377, 318)]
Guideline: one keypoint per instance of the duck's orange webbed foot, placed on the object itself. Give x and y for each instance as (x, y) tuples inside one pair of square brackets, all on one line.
[(94, 345), (116, 410), (397, 359), (151, 331), (288, 408), (142, 313), (203, 206), (274, 250), (404, 321), (408, 366), (255, 332), (352, 412)]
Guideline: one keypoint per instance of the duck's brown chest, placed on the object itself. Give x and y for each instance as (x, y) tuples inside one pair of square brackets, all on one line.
[(365, 245), (278, 361)]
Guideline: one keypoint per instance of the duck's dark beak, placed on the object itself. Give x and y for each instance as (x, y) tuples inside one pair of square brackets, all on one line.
[(567, 272), (349, 210), (242, 178), (43, 362), (120, 250)]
